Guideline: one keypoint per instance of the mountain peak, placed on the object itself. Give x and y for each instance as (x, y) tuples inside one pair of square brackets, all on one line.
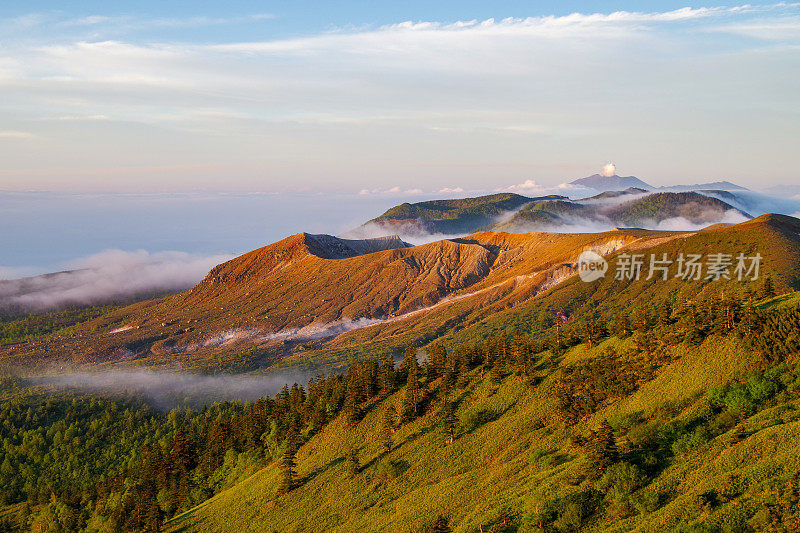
[(600, 182)]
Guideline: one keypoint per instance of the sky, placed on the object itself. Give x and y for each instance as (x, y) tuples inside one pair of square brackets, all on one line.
[(54, 231), (376, 98)]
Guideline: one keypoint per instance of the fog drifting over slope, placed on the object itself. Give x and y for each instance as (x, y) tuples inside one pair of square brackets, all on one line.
[(166, 390), (59, 226), (752, 203)]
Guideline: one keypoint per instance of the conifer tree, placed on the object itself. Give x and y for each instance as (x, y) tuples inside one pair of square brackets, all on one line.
[(450, 420), (593, 331), (622, 325), (352, 412), (665, 314), (437, 355), (409, 360), (412, 396), (767, 289), (601, 448), (389, 421), (387, 375), (643, 320), (440, 525), (288, 466), (352, 461)]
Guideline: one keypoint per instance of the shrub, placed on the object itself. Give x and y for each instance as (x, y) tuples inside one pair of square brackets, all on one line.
[(647, 501), (389, 470), (691, 441), (567, 514), (475, 419), (620, 482)]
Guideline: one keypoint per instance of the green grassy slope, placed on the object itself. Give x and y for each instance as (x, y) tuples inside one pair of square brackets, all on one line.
[(686, 460), (463, 215)]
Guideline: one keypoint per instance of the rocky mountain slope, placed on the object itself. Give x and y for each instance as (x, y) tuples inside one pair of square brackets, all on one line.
[(292, 300)]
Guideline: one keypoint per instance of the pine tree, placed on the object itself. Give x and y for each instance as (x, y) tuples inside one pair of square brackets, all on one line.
[(448, 378), (389, 420), (646, 343), (643, 320), (409, 360), (440, 525), (496, 374), (288, 466), (665, 314), (437, 355), (462, 370), (412, 396), (749, 319), (353, 466), (387, 375), (622, 325), (352, 413), (450, 420), (601, 448), (767, 289), (593, 331)]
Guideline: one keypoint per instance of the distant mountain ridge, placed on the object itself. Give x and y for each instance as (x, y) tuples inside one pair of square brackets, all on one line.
[(451, 217), (632, 206), (602, 183), (714, 185), (611, 208)]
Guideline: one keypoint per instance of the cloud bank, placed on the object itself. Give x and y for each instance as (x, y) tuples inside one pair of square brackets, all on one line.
[(113, 275)]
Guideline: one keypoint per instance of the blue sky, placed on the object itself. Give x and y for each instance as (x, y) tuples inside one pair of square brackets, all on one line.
[(308, 17), (401, 97)]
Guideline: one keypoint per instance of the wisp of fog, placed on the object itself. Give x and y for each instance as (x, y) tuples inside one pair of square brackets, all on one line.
[(166, 390)]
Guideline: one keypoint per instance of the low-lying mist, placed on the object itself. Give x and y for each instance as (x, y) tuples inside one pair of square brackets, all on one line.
[(113, 275), (409, 232), (167, 390)]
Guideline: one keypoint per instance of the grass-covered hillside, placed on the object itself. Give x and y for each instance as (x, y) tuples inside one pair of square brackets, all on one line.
[(457, 216), (629, 208), (538, 403), (632, 207), (688, 423)]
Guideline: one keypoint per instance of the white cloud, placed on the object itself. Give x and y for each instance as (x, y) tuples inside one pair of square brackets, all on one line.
[(84, 117), (113, 274), (11, 134), (773, 29), (408, 99), (127, 23), (526, 187), (392, 191), (451, 190)]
